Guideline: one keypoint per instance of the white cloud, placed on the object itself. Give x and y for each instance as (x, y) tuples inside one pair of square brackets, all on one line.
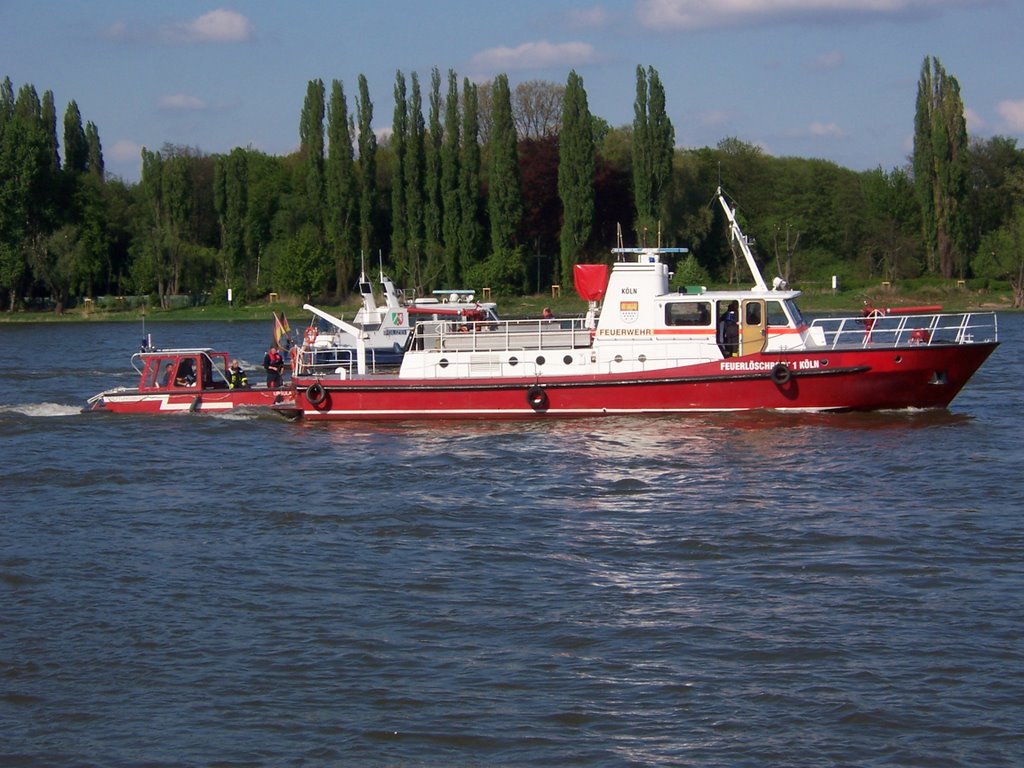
[(825, 130), (1012, 113), (700, 14), (219, 26), (537, 55), (182, 102)]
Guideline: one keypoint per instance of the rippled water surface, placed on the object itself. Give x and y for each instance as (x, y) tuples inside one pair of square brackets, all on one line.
[(722, 590)]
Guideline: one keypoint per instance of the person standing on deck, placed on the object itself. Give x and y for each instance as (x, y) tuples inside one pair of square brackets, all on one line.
[(273, 363)]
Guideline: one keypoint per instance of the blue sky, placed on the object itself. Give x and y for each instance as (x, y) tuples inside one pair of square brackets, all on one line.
[(833, 79)]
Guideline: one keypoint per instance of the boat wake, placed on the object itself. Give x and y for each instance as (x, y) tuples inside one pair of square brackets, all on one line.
[(45, 410)]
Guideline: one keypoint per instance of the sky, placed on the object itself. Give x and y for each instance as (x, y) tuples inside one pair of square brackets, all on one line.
[(831, 79)]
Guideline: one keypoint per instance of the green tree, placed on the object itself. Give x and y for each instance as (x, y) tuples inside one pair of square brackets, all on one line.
[(342, 191), (399, 215), (231, 191), (575, 175), (940, 169), (653, 147), (451, 184), (470, 231), (1001, 255), (893, 225), (432, 207), (505, 197), (28, 188), (48, 118), (367, 167), (94, 161), (415, 167), (311, 149), (303, 267), (76, 148)]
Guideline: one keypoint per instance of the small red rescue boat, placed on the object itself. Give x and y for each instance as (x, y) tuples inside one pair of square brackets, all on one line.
[(185, 381)]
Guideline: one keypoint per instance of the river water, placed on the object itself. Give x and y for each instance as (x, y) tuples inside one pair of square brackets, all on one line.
[(720, 590)]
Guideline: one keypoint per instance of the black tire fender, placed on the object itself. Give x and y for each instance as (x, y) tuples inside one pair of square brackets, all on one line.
[(316, 394), (781, 374), (537, 399)]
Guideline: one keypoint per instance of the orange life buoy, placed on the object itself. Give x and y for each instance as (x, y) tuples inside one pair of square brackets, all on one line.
[(311, 334)]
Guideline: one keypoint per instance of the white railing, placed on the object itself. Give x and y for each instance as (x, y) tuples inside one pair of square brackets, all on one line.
[(504, 335), (327, 361), (903, 330)]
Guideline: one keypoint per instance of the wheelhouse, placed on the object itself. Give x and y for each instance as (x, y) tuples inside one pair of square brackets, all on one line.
[(191, 370)]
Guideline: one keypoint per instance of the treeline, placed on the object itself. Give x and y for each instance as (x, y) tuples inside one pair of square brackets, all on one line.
[(482, 185)]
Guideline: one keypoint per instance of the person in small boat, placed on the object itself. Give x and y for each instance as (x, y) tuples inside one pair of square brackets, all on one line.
[(273, 364), (547, 314), (186, 376), (729, 330), (167, 376), (236, 377)]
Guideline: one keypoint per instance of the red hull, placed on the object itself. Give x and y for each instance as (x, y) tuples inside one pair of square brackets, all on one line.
[(915, 377), (211, 401)]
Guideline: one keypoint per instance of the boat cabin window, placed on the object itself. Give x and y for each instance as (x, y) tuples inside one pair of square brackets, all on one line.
[(688, 313), (159, 374), (776, 313), (169, 372), (752, 313)]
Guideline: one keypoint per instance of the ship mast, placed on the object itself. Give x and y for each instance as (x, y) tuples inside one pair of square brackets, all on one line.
[(737, 236)]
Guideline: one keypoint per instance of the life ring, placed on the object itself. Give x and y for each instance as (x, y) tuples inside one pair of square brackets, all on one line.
[(316, 394), (537, 398), (781, 374), (311, 334)]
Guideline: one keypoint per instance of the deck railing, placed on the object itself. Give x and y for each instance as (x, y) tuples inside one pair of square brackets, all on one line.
[(504, 335), (903, 330)]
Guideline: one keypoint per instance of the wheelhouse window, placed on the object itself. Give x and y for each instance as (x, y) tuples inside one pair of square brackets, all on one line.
[(694, 314), (776, 314)]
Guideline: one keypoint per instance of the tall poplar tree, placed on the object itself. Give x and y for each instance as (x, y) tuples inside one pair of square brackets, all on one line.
[(94, 161), (399, 134), (342, 214), (451, 184), (432, 210), (76, 149), (414, 170), (311, 149), (48, 116), (940, 166), (653, 147), (470, 234), (575, 174), (367, 167), (505, 197)]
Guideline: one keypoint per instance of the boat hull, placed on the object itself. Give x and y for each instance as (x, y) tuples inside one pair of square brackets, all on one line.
[(213, 401), (893, 378)]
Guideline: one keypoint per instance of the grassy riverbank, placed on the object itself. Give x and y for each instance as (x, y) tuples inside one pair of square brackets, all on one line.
[(567, 305)]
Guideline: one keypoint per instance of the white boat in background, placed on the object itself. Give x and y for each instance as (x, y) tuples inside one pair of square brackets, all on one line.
[(382, 329)]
